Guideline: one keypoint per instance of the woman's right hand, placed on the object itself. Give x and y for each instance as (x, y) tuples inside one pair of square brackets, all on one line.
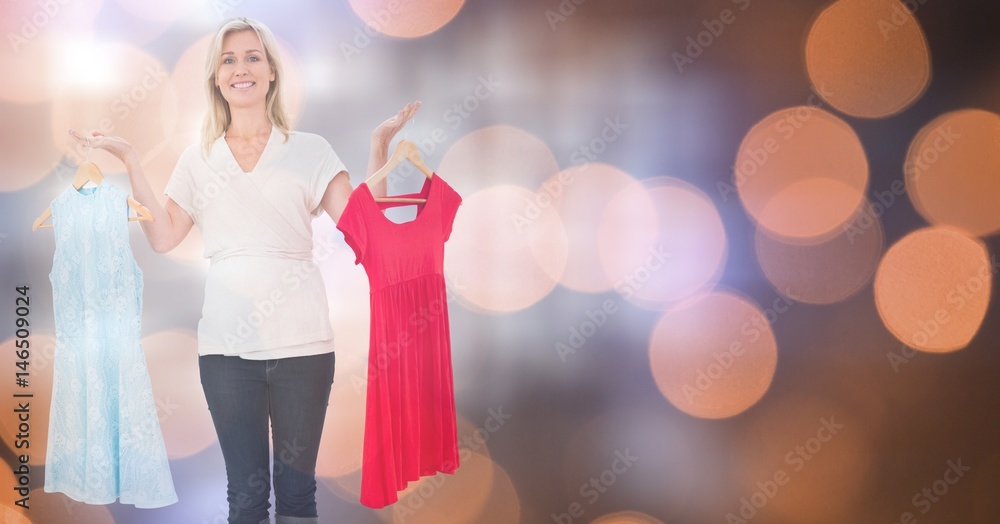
[(115, 145)]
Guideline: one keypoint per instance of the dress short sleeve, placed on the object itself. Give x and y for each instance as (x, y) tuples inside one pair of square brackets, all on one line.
[(328, 168), (450, 200), (181, 187), (352, 225)]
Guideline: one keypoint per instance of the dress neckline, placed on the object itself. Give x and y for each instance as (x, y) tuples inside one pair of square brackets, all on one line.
[(425, 193), (263, 152), (86, 192)]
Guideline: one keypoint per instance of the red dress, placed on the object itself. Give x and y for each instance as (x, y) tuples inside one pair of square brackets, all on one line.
[(410, 428)]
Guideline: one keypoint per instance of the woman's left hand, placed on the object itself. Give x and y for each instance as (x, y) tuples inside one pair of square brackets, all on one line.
[(385, 132)]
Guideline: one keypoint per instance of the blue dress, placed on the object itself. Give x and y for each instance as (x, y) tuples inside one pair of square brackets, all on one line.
[(104, 440)]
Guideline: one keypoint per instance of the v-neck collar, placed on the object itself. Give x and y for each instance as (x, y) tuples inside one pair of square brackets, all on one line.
[(230, 157)]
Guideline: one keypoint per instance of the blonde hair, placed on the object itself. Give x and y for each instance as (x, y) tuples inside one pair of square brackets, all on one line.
[(218, 118)]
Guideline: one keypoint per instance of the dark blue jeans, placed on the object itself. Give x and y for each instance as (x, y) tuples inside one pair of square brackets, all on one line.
[(293, 394)]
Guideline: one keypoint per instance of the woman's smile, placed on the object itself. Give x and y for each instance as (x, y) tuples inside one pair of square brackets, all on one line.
[(242, 62)]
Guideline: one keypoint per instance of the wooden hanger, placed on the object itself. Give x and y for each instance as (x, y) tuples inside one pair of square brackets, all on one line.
[(89, 172), (405, 150)]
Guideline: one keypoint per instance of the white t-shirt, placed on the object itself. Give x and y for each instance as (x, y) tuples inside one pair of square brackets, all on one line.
[(264, 295)]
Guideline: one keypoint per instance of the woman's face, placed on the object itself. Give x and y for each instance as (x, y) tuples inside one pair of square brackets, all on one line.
[(244, 74)]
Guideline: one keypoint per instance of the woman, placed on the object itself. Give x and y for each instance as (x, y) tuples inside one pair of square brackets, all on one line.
[(265, 344)]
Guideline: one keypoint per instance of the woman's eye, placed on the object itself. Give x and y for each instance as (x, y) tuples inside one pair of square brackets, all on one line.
[(253, 58), (227, 61)]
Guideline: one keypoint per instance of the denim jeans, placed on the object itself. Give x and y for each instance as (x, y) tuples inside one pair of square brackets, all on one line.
[(293, 394)]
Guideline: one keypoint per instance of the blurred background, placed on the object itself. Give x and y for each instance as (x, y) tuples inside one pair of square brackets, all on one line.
[(718, 261)]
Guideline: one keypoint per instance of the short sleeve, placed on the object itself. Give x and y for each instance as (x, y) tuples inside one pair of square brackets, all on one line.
[(181, 187), (328, 168), (352, 225), (450, 200)]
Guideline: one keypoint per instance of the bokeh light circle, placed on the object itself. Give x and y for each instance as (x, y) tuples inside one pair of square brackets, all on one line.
[(342, 445), (801, 173), (348, 484), (932, 289), (498, 155), (406, 19), (479, 491), (826, 272), (581, 195), (626, 517), (30, 74), (41, 359), (120, 96), (24, 166), (172, 360), (185, 101), (660, 241), (42, 46), (347, 286), (952, 170), (506, 259), (51, 508), (868, 58), (808, 459), (7, 514), (714, 355), (504, 504)]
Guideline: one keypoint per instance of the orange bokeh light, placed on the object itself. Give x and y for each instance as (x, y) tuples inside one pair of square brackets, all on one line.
[(347, 289), (7, 514), (801, 173), (348, 485), (933, 287), (714, 355), (124, 101), (827, 272), (461, 497), (626, 517), (41, 357), (50, 508), (803, 460), (37, 36), (406, 19), (24, 166), (185, 101), (868, 58), (502, 263), (344, 430), (172, 361), (951, 171), (497, 155)]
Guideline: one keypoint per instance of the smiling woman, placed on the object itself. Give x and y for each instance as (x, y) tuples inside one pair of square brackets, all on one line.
[(252, 186), (241, 79)]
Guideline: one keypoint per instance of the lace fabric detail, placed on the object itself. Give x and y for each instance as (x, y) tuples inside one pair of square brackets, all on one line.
[(104, 437)]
